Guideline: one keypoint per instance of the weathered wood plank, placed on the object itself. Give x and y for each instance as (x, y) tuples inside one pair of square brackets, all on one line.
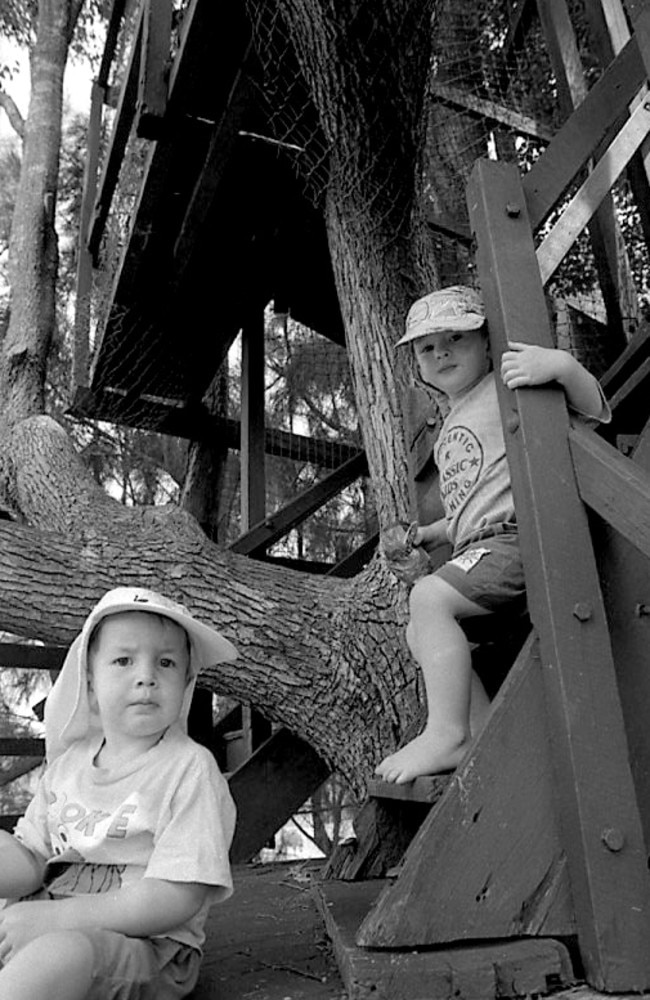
[(594, 784), (115, 153), (270, 787), (19, 655), (625, 576), (264, 534), (487, 861), (490, 111), (580, 136), (587, 200), (512, 969), (151, 101), (616, 488), (21, 746), (427, 789)]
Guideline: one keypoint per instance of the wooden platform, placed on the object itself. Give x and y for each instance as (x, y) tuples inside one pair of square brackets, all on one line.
[(514, 968), (267, 942)]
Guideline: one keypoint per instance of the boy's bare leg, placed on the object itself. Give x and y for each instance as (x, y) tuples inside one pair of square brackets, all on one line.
[(479, 706), (56, 966), (441, 648)]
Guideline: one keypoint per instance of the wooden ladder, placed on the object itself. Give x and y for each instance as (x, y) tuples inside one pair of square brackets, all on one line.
[(542, 832)]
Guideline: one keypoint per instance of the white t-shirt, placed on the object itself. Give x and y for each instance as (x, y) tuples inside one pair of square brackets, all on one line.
[(470, 454), (166, 814)]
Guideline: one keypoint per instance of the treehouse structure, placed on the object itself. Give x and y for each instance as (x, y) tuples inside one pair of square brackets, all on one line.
[(529, 867)]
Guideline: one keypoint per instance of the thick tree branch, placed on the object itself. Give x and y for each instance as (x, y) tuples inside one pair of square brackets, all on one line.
[(13, 114)]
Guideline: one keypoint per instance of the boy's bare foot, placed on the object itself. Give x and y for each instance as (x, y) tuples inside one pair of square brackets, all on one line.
[(426, 754)]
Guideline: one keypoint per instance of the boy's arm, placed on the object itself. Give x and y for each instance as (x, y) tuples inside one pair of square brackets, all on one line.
[(529, 364), (152, 906), (430, 535), (21, 872)]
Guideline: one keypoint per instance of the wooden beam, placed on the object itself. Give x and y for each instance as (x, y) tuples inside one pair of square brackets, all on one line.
[(491, 111), (452, 228), (270, 787), (222, 142), (583, 132), (616, 488), (155, 60), (197, 424), (616, 283), (115, 153), (595, 790), (23, 657), (21, 746), (251, 454), (279, 524), (585, 203)]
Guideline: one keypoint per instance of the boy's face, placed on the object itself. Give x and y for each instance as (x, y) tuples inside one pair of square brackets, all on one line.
[(138, 670), (453, 360)]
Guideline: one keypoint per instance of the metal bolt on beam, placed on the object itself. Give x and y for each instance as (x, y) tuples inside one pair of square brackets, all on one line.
[(582, 611)]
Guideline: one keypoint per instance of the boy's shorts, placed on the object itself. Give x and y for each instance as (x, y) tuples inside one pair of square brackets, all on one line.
[(488, 569), (127, 968)]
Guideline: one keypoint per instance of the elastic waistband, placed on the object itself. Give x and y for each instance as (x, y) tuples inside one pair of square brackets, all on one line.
[(501, 528)]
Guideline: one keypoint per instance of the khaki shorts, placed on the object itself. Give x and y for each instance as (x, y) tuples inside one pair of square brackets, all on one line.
[(488, 570), (128, 968)]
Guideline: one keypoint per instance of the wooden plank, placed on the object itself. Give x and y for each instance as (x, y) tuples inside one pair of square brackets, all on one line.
[(197, 424), (487, 861), (585, 203), (270, 787), (426, 789), (219, 152), (155, 58), (490, 111), (18, 655), (509, 969), (251, 449), (356, 561), (581, 135), (454, 229), (630, 402), (594, 784), (628, 361), (282, 521), (616, 488), (115, 153), (625, 576), (21, 746)]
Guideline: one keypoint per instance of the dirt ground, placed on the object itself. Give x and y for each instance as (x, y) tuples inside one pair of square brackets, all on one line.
[(267, 941)]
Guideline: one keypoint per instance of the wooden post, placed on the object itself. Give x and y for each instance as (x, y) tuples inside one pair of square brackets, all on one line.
[(80, 359), (253, 487), (599, 818)]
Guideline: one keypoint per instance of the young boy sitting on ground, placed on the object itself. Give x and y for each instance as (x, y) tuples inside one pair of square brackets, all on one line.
[(485, 573), (125, 845)]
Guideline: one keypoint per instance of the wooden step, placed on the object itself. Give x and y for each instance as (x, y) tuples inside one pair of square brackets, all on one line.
[(515, 968), (270, 787), (427, 789)]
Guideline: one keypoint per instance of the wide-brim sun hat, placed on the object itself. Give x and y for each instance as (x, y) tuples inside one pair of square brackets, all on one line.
[(458, 307), (68, 715)]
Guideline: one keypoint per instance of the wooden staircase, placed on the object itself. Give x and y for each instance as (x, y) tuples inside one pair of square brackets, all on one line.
[(534, 856)]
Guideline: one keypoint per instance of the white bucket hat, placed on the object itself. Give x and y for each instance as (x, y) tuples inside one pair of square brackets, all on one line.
[(68, 715), (458, 307)]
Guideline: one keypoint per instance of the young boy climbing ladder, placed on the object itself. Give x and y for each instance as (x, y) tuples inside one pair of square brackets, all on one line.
[(125, 845), (485, 574)]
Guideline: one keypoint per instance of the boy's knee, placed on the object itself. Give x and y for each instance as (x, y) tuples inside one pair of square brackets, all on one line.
[(69, 950), (426, 596)]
